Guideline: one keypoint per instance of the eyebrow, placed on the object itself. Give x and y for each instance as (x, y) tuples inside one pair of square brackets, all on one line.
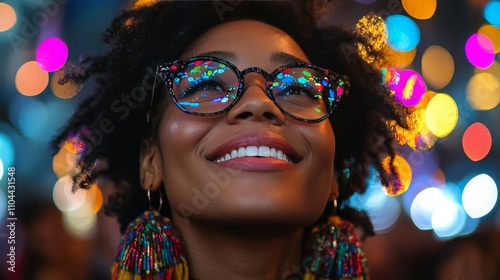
[(276, 57), (226, 55), (284, 58)]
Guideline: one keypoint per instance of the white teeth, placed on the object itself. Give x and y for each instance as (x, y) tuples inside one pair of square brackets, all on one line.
[(273, 152), (242, 152), (279, 154), (234, 153), (254, 151), (264, 151)]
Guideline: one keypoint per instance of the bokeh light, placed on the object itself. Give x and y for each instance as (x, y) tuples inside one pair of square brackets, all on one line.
[(51, 54), (404, 59), (423, 206), (448, 219), (32, 119), (479, 196), (483, 91), (8, 16), (404, 175), (30, 79), (409, 88), (7, 151), (403, 33), (421, 9), (64, 197), (493, 33), (438, 67), (80, 226), (64, 91), (3, 205), (1, 169), (480, 50), (492, 12), (476, 141), (383, 210), (441, 115), (64, 161)]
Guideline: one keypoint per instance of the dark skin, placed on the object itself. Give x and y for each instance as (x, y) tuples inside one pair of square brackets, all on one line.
[(251, 223)]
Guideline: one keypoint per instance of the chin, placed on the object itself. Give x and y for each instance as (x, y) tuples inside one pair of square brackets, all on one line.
[(271, 217)]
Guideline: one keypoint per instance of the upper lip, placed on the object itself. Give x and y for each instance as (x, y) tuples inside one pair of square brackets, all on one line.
[(267, 139)]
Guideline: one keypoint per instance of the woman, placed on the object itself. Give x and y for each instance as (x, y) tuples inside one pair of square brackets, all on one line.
[(224, 113)]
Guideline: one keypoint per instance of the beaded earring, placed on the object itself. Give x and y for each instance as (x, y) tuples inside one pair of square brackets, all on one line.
[(335, 252), (150, 249)]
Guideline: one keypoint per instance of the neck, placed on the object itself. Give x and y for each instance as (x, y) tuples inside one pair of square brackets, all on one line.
[(216, 252)]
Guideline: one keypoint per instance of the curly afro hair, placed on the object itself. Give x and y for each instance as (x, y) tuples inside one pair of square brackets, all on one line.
[(146, 35)]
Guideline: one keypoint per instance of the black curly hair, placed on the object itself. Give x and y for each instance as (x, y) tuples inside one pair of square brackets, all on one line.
[(146, 35)]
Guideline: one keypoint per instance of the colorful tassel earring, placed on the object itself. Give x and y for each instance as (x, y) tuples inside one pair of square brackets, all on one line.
[(150, 250), (335, 253)]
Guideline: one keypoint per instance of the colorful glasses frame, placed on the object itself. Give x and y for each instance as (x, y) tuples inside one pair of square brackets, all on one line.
[(337, 83)]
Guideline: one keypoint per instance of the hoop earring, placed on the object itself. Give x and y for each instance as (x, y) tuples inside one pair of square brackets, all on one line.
[(335, 251), (150, 249)]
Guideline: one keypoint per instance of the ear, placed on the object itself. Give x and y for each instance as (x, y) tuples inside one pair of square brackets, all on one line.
[(150, 165)]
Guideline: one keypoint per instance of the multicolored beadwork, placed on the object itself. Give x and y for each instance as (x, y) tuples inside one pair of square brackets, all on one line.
[(335, 253), (150, 249)]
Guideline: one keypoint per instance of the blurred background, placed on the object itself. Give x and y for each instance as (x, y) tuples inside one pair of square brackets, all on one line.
[(442, 223)]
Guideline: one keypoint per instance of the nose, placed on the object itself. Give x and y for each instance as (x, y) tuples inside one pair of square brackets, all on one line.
[(254, 104)]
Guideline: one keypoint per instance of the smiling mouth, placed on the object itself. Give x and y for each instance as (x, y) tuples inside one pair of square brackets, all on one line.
[(256, 151)]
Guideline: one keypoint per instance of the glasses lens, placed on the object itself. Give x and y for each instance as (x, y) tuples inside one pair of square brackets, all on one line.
[(301, 91), (205, 86)]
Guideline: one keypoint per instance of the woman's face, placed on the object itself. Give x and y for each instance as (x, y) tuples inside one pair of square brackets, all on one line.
[(249, 189)]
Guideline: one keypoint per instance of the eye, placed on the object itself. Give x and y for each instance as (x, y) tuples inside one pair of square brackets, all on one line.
[(298, 92), (204, 89)]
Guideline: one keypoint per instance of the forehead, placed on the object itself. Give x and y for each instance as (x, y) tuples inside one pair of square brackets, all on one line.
[(254, 43)]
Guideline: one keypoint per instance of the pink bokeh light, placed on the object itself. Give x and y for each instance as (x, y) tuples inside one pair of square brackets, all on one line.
[(51, 54), (409, 87), (480, 51)]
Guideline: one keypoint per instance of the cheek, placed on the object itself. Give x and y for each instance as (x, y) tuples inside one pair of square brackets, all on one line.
[(180, 138)]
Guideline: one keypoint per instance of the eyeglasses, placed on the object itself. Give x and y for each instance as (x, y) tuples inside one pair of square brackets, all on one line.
[(207, 86)]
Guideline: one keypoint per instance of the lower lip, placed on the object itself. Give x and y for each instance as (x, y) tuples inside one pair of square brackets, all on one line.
[(261, 164)]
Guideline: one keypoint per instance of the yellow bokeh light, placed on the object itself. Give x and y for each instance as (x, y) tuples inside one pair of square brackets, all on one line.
[(494, 70), (483, 91), (64, 91), (30, 79), (420, 9), (64, 161), (438, 67), (493, 33), (404, 174), (8, 17), (441, 115), (403, 59)]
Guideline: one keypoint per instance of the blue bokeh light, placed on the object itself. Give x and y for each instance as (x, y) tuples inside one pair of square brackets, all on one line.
[(6, 150), (403, 33), (492, 13)]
